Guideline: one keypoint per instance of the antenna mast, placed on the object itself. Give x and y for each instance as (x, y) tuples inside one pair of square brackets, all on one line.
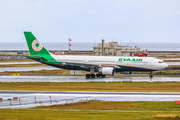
[(69, 46)]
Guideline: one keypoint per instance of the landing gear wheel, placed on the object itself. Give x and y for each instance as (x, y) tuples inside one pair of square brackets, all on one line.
[(151, 74), (103, 76), (88, 75), (98, 75), (92, 75)]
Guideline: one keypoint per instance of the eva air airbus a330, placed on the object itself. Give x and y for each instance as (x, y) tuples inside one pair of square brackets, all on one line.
[(103, 65)]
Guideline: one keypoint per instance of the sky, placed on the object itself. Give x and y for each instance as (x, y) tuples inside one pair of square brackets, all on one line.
[(138, 21)]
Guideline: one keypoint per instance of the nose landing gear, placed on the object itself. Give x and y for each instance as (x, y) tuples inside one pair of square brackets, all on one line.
[(151, 74)]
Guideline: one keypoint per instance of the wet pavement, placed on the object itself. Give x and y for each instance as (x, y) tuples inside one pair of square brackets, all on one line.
[(29, 99), (83, 79), (27, 68), (13, 63), (173, 63)]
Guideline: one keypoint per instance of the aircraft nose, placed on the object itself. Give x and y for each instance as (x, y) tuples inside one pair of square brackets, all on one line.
[(165, 65)]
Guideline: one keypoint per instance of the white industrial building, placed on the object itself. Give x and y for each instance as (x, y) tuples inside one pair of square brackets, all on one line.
[(112, 49)]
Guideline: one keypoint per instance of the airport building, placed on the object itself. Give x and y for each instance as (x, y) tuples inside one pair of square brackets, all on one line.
[(112, 49)]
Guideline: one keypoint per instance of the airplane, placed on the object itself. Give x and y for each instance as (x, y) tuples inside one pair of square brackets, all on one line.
[(103, 65)]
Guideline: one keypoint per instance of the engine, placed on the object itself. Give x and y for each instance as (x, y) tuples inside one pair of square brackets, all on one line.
[(107, 71), (126, 72)]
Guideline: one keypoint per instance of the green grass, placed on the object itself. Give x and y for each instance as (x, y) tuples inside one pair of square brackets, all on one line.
[(167, 72), (97, 110), (95, 86), (166, 57), (130, 106)]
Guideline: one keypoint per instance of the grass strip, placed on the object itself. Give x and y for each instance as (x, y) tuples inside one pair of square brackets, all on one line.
[(136, 106), (100, 110), (171, 60), (95, 86), (166, 57)]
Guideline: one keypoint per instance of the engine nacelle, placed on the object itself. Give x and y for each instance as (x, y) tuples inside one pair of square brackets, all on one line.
[(126, 72), (107, 71)]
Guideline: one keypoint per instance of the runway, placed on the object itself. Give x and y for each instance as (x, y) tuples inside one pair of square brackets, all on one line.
[(29, 99), (173, 63), (14, 63), (83, 79), (27, 68)]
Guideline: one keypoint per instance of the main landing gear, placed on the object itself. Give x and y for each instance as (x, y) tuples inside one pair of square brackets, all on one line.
[(93, 75), (151, 74)]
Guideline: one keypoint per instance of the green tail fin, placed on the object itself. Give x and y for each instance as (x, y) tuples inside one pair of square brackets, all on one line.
[(35, 47)]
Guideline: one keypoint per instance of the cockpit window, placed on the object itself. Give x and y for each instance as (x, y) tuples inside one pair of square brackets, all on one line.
[(160, 62)]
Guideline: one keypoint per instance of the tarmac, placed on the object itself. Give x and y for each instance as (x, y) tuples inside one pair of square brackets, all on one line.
[(27, 68), (14, 63), (83, 79), (29, 99)]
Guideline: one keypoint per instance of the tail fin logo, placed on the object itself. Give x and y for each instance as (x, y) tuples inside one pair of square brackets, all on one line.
[(36, 45)]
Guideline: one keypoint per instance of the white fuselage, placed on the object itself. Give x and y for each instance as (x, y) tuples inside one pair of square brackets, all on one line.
[(148, 63)]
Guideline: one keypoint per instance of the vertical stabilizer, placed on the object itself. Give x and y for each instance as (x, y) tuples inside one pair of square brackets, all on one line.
[(35, 47)]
